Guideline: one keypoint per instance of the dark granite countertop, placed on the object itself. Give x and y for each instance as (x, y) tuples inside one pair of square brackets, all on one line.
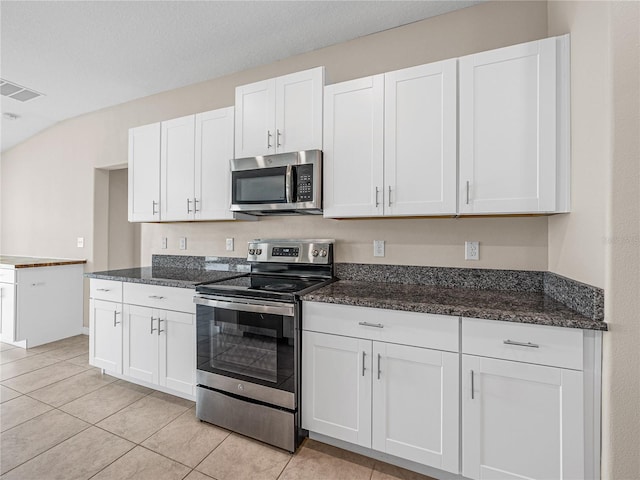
[(510, 306), (165, 276), (31, 262)]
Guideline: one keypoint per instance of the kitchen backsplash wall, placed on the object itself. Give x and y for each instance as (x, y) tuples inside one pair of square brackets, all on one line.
[(517, 243)]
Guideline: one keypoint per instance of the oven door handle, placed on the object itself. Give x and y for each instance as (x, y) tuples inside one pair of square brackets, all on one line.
[(256, 306)]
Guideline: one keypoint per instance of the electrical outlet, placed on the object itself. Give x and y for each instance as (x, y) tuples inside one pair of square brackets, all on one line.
[(183, 243), (229, 244), (471, 250), (80, 242), (163, 242), (378, 248)]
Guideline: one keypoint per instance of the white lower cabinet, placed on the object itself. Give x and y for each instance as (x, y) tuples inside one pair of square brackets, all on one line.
[(133, 334), (105, 335), (521, 421), (398, 399), (159, 347)]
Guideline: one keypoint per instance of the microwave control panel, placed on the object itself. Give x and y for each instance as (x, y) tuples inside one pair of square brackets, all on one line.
[(304, 183)]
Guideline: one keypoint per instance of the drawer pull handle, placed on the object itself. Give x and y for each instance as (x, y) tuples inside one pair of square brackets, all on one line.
[(521, 344), (157, 297), (103, 289), (379, 356), (367, 324), (472, 386), (363, 367)]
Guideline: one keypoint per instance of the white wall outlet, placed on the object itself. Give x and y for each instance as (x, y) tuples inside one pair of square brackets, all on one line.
[(183, 243), (163, 242), (229, 244), (472, 250), (378, 248), (80, 242)]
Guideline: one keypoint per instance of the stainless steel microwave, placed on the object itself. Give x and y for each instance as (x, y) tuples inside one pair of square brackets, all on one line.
[(280, 184)]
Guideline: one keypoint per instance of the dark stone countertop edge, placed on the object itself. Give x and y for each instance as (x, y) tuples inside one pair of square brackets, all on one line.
[(162, 282), (533, 318)]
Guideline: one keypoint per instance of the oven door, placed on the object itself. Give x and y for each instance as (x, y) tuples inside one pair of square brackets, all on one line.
[(248, 348)]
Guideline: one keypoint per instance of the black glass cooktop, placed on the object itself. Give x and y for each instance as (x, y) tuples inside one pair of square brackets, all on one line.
[(261, 285)]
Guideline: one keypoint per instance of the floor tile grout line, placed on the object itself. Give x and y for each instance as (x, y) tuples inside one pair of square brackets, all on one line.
[(53, 383), (37, 369)]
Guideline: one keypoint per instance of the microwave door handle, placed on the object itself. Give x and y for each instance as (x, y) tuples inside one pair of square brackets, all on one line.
[(289, 187)]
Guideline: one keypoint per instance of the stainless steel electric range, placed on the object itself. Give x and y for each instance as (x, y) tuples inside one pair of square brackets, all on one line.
[(249, 340)]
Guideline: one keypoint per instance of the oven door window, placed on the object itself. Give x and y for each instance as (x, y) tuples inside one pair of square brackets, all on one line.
[(248, 346), (266, 185)]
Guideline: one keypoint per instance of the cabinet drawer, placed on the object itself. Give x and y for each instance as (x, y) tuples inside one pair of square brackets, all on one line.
[(394, 326), (167, 298), (7, 275), (554, 346), (110, 290)]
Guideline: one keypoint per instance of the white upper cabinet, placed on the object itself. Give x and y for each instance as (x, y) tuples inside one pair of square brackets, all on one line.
[(144, 173), (514, 105), (390, 144), (353, 148), (420, 140), (177, 169), (282, 114), (213, 150)]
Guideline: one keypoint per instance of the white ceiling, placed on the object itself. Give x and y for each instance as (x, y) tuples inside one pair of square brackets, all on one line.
[(88, 55)]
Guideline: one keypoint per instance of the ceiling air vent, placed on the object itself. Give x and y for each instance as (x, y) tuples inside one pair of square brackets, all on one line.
[(17, 92)]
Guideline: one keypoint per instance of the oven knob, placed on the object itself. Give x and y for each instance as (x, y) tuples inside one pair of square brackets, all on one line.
[(314, 253), (258, 251), (240, 387), (251, 251), (323, 253)]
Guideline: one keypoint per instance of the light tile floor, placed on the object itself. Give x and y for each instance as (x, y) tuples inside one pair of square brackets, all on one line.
[(62, 419)]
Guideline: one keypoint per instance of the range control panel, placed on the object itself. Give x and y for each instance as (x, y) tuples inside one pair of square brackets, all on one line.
[(291, 251)]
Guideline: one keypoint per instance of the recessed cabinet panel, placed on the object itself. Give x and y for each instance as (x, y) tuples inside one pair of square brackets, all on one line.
[(177, 351), (141, 343), (420, 140), (144, 173), (255, 119), (521, 420), (353, 148), (213, 150), (105, 335), (7, 312), (178, 169), (510, 149)]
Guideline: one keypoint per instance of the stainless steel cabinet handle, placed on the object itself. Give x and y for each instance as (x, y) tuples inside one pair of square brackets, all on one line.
[(364, 354), (520, 344), (38, 284), (367, 324), (269, 139), (278, 138), (157, 297), (151, 326), (103, 289), (159, 330), (377, 202), (379, 356), (389, 199), (472, 386), (153, 207), (467, 192), (188, 205), (195, 205), (115, 318)]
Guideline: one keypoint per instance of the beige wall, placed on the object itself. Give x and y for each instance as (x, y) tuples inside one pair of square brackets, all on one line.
[(124, 237)]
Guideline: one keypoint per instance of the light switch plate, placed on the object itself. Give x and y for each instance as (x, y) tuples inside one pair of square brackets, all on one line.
[(80, 242), (229, 244)]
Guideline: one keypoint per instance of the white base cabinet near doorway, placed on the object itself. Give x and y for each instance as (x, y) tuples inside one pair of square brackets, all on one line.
[(144, 334), (383, 379)]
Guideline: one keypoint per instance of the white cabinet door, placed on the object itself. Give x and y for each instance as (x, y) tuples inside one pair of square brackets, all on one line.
[(213, 150), (420, 140), (177, 356), (105, 335), (141, 343), (144, 173), (521, 421), (415, 404), (353, 148), (508, 142), (7, 312), (336, 387), (255, 119), (299, 111), (178, 169)]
